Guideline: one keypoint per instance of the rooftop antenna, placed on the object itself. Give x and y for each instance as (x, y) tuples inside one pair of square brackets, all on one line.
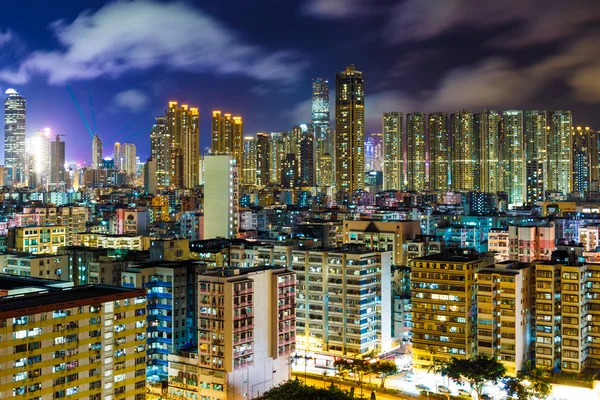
[(79, 110)]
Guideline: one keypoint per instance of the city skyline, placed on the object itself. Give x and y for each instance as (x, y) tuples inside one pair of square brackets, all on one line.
[(276, 95)]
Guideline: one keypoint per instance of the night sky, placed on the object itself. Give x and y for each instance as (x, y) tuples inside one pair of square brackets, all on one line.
[(257, 58)]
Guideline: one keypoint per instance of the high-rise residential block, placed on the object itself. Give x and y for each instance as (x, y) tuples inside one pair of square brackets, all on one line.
[(39, 150), (128, 160), (486, 126), (221, 201), (262, 159), (504, 313), (14, 137), (249, 167), (560, 160), (582, 148), (307, 160), (289, 171), (160, 152), (512, 148), (276, 154), (393, 151), (182, 126), (416, 153), (465, 155), (343, 302), (150, 176), (439, 151), (96, 152), (58, 178), (536, 156), (349, 130), (62, 341), (531, 242), (594, 159), (382, 236), (444, 307), (117, 155)]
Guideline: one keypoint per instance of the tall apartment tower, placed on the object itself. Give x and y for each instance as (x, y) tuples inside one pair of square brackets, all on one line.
[(246, 332), (536, 156), (581, 160), (183, 129), (96, 152), (350, 130), (221, 199), (14, 137), (439, 151), (60, 341), (117, 156), (594, 148), (486, 127), (249, 156), (513, 156), (416, 152), (150, 176), (160, 150), (393, 151), (276, 154), (58, 177), (228, 136), (262, 159), (465, 155), (320, 115), (40, 150), (128, 158), (560, 152), (307, 160)]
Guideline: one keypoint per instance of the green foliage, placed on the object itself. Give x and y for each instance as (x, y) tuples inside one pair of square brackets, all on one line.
[(384, 368), (529, 384), (476, 371), (296, 390)]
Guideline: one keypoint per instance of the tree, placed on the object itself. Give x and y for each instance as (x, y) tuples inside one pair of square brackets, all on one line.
[(342, 367), (299, 391), (530, 383), (476, 371), (385, 368)]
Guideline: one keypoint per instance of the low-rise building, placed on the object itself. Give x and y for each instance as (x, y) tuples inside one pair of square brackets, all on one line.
[(37, 239)]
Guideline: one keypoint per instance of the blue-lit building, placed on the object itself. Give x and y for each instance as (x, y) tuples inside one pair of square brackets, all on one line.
[(171, 322)]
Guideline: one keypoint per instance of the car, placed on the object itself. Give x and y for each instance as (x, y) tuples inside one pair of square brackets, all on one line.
[(464, 392), (410, 377), (485, 397), (420, 386), (443, 389)]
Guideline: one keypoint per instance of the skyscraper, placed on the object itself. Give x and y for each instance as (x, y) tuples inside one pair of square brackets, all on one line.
[(58, 178), (249, 156), (96, 152), (581, 160), (438, 151), (276, 154), (536, 155), (512, 152), (117, 156), (393, 151), (262, 159), (289, 171), (560, 152), (486, 126), (228, 136), (128, 161), (350, 130), (150, 176), (14, 137), (160, 150), (594, 148), (415, 149), (183, 129), (320, 114), (40, 151), (237, 142), (307, 160), (464, 153)]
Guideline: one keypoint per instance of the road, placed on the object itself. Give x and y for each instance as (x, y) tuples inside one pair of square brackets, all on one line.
[(366, 392)]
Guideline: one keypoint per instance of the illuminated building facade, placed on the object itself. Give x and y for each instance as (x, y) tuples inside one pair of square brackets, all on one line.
[(221, 197), (14, 137), (536, 155), (128, 161), (513, 156), (262, 159), (96, 152), (72, 341), (439, 151), (582, 148), (415, 150), (393, 151), (560, 152), (58, 178), (486, 127), (249, 156), (465, 157), (160, 150), (182, 123), (350, 130)]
